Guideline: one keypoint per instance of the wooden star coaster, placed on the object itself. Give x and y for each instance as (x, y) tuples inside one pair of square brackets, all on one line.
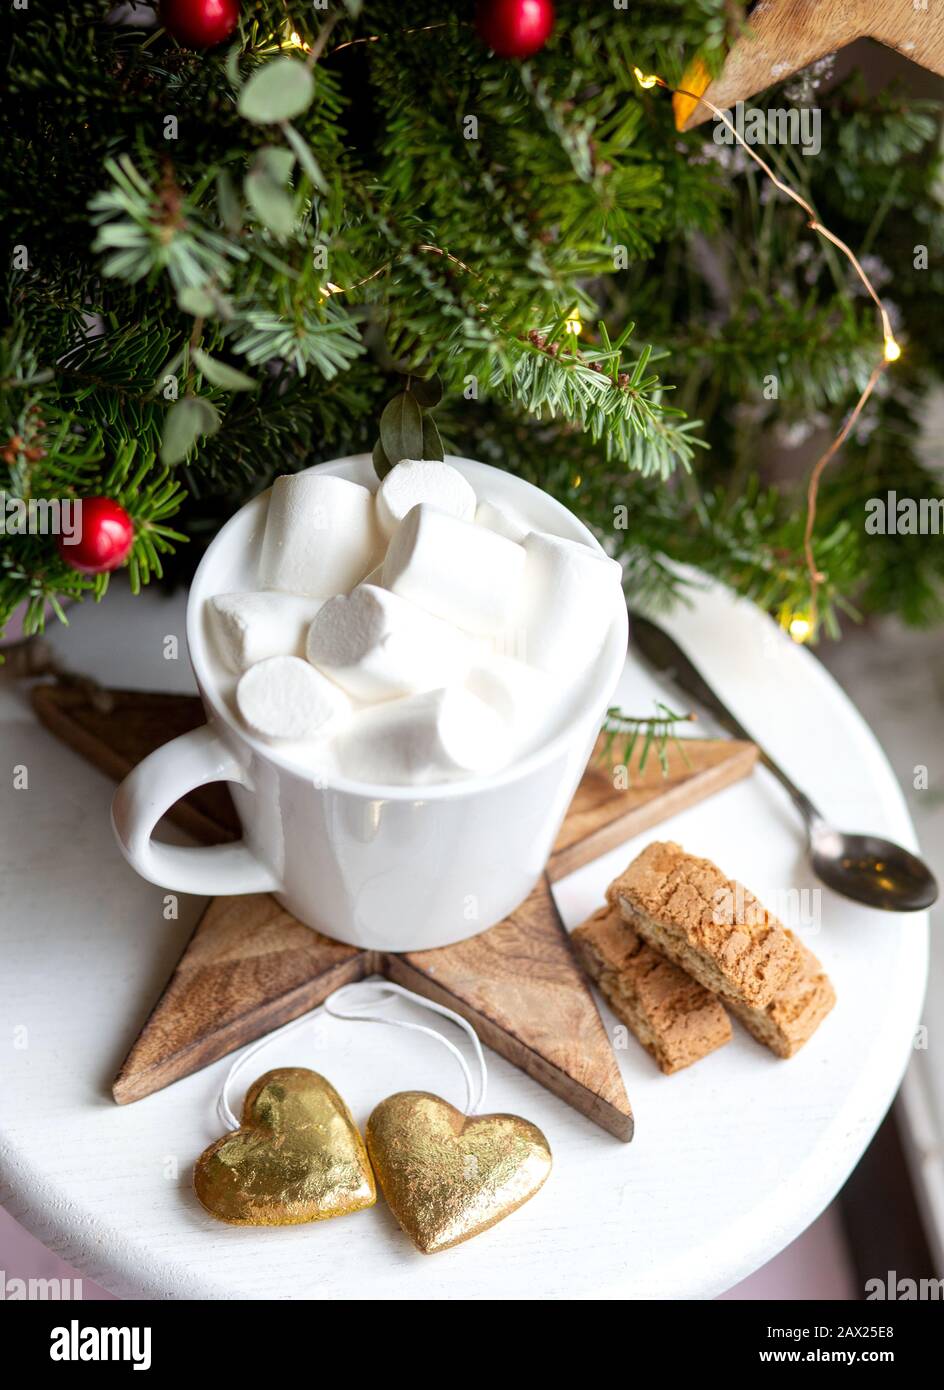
[(250, 966), (785, 36), (601, 816), (521, 988), (115, 729)]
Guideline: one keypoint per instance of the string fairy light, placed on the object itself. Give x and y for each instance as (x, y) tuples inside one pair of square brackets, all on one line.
[(805, 626), (800, 628)]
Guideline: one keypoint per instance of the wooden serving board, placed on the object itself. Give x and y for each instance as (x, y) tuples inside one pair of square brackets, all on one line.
[(250, 966)]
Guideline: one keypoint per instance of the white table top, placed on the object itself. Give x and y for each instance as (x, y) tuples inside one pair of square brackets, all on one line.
[(732, 1158)]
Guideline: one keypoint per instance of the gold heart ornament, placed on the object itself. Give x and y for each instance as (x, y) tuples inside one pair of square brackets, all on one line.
[(298, 1156), (447, 1176)]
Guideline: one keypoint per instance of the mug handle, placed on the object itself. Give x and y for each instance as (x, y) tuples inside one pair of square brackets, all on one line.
[(167, 774)]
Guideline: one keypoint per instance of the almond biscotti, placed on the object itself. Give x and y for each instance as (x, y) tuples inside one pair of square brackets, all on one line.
[(792, 1016), (674, 1017), (709, 925)]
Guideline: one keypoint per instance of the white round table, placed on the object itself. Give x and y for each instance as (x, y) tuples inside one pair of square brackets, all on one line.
[(732, 1158)]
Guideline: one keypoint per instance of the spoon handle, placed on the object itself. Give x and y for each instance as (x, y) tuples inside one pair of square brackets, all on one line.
[(664, 653)]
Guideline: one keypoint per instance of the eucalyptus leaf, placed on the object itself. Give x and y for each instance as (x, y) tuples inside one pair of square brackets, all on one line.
[(401, 428), (186, 421), (271, 204), (228, 202), (221, 374), (276, 92), (382, 464), (306, 158), (265, 190), (277, 161), (232, 67), (427, 390), (432, 443)]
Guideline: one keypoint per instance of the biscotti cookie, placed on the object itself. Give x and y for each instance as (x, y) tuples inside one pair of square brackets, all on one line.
[(709, 925), (674, 1017), (792, 1016)]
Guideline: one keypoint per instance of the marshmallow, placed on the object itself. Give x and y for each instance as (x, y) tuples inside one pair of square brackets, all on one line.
[(436, 736), (420, 480), (568, 600), (461, 572), (247, 628), (501, 519), (521, 695), (285, 698), (321, 535), (377, 645)]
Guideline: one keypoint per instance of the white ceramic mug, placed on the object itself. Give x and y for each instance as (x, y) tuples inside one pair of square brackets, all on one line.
[(387, 868)]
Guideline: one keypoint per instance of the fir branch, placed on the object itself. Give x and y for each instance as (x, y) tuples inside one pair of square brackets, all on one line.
[(655, 733), (576, 192), (616, 403), (328, 342), (144, 231)]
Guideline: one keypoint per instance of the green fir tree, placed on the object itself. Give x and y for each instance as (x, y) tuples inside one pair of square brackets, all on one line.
[(222, 265)]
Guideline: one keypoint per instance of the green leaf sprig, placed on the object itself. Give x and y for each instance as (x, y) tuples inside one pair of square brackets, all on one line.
[(407, 430)]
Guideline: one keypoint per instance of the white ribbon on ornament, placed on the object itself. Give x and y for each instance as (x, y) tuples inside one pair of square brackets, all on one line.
[(360, 1003)]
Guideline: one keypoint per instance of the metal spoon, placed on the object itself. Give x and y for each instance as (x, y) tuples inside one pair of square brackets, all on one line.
[(865, 868)]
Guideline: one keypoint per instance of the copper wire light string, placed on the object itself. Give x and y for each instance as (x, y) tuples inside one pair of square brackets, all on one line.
[(891, 353)]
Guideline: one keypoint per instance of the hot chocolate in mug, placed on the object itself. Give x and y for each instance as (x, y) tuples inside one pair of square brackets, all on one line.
[(392, 868)]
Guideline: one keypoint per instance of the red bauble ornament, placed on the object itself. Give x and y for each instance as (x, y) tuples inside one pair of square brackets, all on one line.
[(200, 23), (515, 28), (105, 533)]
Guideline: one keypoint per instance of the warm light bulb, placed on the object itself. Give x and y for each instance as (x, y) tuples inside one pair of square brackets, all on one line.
[(801, 629), (892, 349), (645, 79), (574, 322)]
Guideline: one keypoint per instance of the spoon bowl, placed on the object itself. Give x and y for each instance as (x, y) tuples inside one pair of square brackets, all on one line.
[(865, 868), (871, 870)]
